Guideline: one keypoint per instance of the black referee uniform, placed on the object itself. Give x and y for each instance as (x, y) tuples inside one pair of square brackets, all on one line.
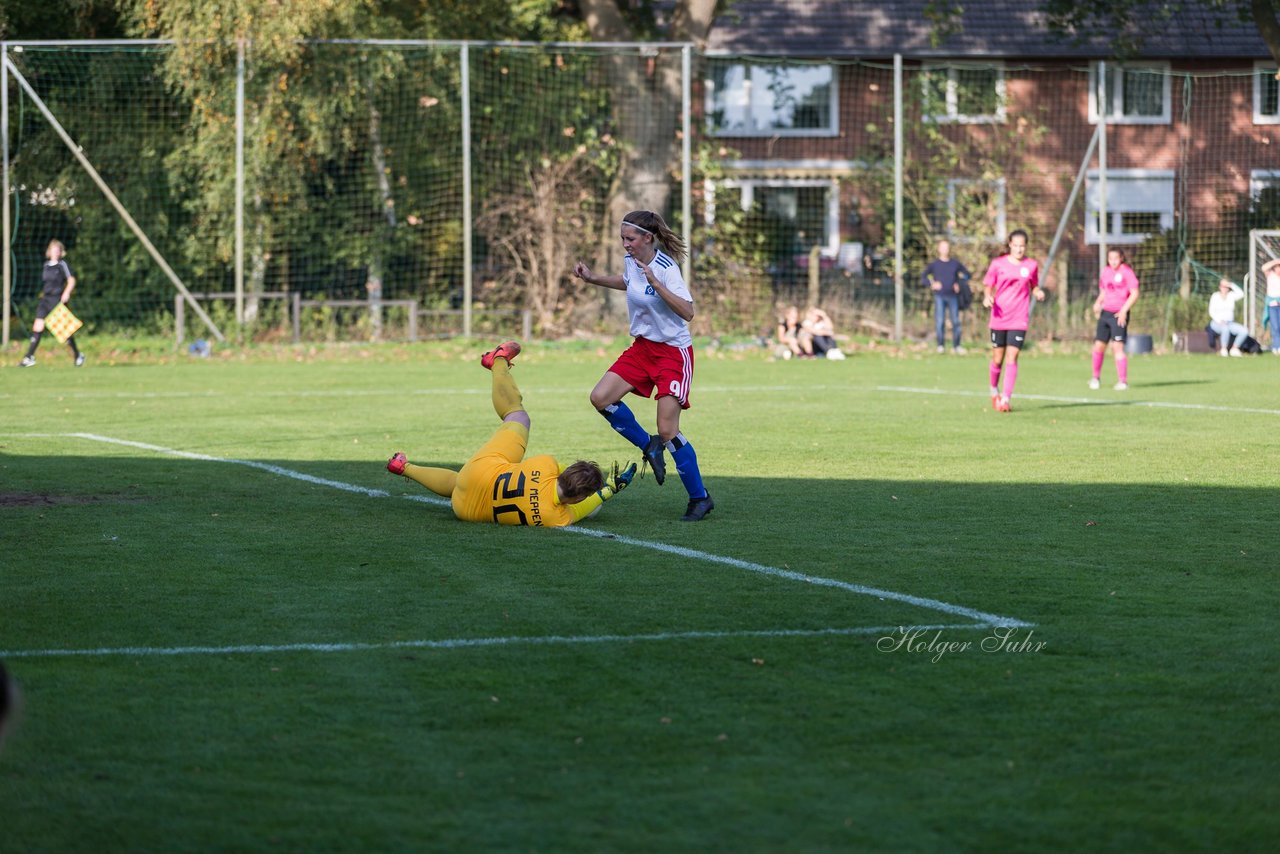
[(54, 277)]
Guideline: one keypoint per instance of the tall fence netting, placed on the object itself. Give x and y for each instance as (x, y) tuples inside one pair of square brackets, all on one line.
[(354, 172)]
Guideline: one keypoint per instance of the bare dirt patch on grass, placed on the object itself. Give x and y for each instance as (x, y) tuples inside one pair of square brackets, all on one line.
[(49, 499)]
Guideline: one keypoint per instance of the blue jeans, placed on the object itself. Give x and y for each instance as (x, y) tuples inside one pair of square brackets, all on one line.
[(944, 304), (1224, 329), (1273, 318)]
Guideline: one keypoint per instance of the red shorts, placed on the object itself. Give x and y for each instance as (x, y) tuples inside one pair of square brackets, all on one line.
[(647, 365)]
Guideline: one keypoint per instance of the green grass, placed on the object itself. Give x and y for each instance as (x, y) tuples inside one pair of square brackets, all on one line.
[(1140, 541)]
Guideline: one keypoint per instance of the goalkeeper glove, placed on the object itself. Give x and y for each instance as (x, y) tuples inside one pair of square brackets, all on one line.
[(622, 479)]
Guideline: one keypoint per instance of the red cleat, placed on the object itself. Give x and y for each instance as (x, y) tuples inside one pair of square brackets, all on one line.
[(508, 351), (395, 465), (1003, 405), (995, 401)]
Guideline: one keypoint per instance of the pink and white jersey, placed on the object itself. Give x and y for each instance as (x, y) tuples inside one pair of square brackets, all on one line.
[(1116, 283), (1011, 283), (650, 315)]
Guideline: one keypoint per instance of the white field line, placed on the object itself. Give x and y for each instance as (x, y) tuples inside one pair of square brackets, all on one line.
[(1157, 404), (465, 643), (982, 619), (692, 554), (363, 392), (212, 394), (791, 575), (705, 389), (267, 467)]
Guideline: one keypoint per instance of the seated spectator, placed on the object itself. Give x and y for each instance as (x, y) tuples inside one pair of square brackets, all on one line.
[(789, 333), (1222, 317), (820, 333)]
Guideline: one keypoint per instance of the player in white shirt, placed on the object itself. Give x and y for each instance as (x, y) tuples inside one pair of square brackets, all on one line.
[(661, 357), (1222, 317)]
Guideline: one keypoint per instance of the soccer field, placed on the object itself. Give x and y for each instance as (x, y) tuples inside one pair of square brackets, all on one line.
[(234, 630)]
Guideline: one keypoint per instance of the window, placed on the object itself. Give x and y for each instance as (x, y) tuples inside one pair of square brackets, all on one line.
[(794, 213), (1266, 94), (963, 93), (1136, 94), (973, 211), (1261, 180), (1139, 204), (756, 99), (1264, 195)]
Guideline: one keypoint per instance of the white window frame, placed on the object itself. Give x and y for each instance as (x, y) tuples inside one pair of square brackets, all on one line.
[(952, 115), (748, 84), (1259, 118), (1115, 117), (999, 186), (747, 185), (1091, 235), (1261, 179)]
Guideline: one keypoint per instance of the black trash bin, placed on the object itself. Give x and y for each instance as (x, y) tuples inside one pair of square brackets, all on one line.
[(1137, 344)]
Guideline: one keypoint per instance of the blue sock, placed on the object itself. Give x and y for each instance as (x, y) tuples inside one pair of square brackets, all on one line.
[(687, 466), (622, 419)]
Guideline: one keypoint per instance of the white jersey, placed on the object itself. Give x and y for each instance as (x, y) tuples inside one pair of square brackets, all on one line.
[(650, 315)]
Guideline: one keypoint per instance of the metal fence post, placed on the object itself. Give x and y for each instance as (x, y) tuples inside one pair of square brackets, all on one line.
[(1104, 227), (239, 218), (686, 156), (179, 319), (897, 197), (7, 246), (467, 260)]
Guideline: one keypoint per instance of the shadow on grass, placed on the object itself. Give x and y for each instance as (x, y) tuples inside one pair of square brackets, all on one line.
[(781, 521), (1165, 383)]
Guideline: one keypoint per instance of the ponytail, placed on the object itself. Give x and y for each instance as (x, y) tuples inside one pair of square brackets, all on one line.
[(651, 223)]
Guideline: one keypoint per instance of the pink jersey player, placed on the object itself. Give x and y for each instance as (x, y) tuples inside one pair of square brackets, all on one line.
[(1010, 283), (1117, 284), (1117, 292)]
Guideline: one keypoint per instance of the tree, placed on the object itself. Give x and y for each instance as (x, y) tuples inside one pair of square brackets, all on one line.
[(1126, 22), (318, 151), (283, 136), (59, 19), (539, 228), (646, 93)]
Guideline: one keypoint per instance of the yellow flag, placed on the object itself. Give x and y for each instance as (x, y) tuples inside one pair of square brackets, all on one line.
[(62, 323)]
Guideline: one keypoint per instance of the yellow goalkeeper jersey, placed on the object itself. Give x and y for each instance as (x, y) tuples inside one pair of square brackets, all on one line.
[(491, 489)]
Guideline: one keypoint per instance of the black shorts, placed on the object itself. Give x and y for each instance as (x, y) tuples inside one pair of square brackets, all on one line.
[(1008, 337), (1109, 329), (47, 304)]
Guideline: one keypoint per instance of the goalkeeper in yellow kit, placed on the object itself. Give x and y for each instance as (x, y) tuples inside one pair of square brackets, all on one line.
[(499, 485)]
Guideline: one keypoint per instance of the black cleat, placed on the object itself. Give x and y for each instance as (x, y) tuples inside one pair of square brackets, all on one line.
[(698, 509), (653, 456)]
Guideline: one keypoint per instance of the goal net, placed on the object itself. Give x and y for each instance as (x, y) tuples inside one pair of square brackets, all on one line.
[(1264, 246)]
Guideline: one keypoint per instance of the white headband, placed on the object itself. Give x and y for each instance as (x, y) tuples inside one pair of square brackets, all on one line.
[(637, 227)]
